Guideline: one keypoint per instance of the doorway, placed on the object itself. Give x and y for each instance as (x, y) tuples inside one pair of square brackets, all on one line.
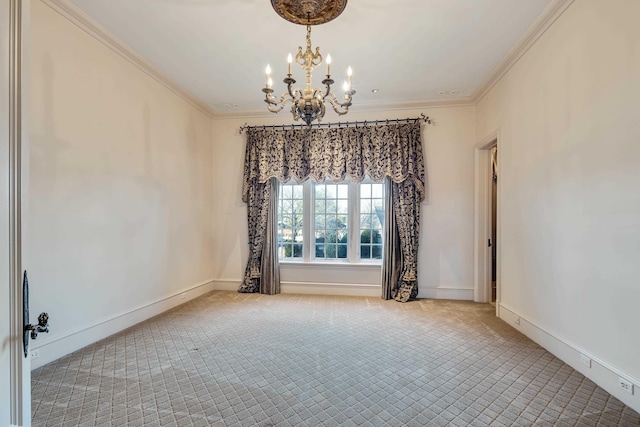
[(487, 221), (493, 242)]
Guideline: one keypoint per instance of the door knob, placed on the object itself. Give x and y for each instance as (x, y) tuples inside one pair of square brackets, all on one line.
[(42, 326), (29, 329)]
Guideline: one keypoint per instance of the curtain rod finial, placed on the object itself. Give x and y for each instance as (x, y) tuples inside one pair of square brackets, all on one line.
[(425, 119)]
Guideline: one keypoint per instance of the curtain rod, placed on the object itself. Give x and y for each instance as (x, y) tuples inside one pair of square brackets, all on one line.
[(422, 118)]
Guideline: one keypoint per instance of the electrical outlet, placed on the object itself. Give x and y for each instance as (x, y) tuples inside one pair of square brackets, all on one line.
[(35, 354), (626, 385), (517, 321), (585, 360)]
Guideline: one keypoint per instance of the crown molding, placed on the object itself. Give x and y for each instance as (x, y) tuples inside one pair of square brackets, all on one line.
[(83, 21), (384, 106), (413, 105), (550, 14)]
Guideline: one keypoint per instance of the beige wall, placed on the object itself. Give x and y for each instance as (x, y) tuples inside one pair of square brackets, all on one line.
[(121, 197), (446, 241), (567, 113)]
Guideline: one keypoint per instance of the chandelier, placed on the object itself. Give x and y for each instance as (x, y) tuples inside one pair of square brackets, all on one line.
[(308, 104)]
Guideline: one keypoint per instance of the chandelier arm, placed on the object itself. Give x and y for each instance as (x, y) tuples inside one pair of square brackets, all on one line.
[(297, 94), (337, 105), (318, 94), (327, 84), (279, 103), (334, 101), (289, 84)]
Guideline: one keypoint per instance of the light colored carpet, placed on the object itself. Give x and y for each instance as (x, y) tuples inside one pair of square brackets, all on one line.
[(229, 359)]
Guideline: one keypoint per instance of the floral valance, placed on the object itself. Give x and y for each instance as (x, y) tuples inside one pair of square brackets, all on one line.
[(393, 150)]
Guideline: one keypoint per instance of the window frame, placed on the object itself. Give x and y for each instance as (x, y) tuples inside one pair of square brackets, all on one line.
[(308, 229), (279, 213)]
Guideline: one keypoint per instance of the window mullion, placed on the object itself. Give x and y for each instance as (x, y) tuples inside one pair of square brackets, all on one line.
[(307, 216), (354, 223)]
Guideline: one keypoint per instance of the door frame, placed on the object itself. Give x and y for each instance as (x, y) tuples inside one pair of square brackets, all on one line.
[(15, 155), (482, 256)]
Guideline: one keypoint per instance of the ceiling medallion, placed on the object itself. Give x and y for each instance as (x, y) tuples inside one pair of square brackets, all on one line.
[(309, 12), (308, 104)]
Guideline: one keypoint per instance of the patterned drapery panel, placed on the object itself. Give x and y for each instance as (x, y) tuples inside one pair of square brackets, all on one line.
[(400, 259), (391, 150), (257, 200), (406, 209)]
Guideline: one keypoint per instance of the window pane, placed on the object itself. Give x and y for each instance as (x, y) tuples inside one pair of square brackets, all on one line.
[(343, 206), (375, 221), (297, 191), (365, 191), (342, 251), (330, 251), (319, 206), (320, 191), (365, 252), (285, 192), (332, 206), (286, 222), (377, 190), (376, 251), (331, 192), (365, 205), (343, 191), (320, 221)]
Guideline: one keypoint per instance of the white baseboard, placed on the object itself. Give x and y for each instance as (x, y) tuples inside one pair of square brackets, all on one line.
[(446, 293), (312, 288), (66, 343), (350, 289), (600, 372)]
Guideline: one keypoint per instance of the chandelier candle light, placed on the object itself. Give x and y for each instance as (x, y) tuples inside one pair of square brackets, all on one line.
[(308, 104)]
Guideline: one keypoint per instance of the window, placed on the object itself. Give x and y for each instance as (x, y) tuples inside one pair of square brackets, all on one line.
[(371, 220), (331, 221), (290, 221), (331, 225)]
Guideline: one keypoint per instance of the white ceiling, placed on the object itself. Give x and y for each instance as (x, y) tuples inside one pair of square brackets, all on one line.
[(410, 50)]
